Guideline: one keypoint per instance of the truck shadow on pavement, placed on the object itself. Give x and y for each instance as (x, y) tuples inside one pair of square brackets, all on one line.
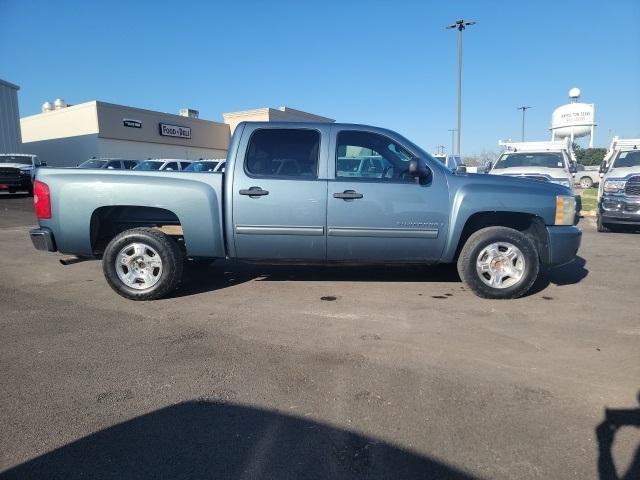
[(223, 274), (224, 441), (568, 274), (614, 420)]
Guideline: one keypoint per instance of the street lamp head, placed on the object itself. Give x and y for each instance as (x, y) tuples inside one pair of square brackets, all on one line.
[(461, 24)]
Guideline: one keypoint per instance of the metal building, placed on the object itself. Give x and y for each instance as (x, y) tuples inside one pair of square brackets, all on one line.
[(10, 139)]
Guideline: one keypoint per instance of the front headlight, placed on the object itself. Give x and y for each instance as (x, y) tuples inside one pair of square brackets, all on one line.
[(565, 209), (614, 186)]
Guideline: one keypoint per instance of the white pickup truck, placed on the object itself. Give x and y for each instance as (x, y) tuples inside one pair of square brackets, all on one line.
[(545, 161), (619, 191)]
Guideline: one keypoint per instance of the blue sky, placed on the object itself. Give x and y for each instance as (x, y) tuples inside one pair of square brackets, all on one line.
[(390, 64)]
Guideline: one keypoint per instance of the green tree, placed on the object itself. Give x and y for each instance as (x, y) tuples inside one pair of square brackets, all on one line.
[(589, 156)]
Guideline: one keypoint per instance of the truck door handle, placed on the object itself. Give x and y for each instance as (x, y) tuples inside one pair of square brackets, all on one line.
[(348, 195), (254, 192)]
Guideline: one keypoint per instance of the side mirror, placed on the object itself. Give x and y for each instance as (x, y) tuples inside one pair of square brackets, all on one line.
[(418, 169), (488, 167), (573, 168), (603, 168), (461, 169)]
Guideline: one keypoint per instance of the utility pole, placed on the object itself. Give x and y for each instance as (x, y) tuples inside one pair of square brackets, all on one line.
[(524, 109), (453, 131), (460, 25)]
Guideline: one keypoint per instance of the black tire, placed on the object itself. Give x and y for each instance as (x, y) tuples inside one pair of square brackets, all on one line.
[(12, 190), (586, 182), (601, 226), (481, 239), (167, 249)]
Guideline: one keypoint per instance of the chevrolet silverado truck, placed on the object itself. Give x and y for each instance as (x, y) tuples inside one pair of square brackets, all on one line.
[(288, 195)]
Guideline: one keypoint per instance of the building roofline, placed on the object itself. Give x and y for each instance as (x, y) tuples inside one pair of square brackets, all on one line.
[(283, 109), (302, 112), (9, 84), (77, 106), (246, 113), (98, 103), (145, 110)]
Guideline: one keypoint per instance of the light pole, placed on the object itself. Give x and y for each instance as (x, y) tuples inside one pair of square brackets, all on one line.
[(524, 109), (460, 25), (453, 131)]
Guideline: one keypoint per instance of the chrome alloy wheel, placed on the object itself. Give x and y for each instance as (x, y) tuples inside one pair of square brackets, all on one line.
[(500, 265), (138, 266)]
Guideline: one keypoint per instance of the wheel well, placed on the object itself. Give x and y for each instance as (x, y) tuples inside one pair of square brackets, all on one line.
[(107, 222), (530, 225)]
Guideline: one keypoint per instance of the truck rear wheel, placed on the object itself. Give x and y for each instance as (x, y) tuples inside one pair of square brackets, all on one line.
[(142, 264), (499, 263)]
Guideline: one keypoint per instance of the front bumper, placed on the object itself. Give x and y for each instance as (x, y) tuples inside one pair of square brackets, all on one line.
[(18, 182), (564, 241), (42, 239), (619, 209)]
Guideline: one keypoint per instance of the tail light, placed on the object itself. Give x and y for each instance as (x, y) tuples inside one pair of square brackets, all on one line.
[(41, 200)]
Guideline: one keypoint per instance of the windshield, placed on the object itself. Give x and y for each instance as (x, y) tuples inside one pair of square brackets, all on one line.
[(201, 167), (15, 159), (93, 164), (542, 159), (149, 165), (627, 159)]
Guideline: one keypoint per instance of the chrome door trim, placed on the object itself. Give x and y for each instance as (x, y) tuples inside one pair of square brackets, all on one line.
[(382, 232), (278, 230)]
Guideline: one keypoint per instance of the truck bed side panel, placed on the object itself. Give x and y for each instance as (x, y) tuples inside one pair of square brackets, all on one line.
[(195, 198)]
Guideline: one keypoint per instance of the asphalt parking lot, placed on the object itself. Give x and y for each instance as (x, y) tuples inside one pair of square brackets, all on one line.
[(306, 372)]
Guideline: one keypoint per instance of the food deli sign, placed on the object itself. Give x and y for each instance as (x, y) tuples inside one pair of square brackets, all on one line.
[(167, 130)]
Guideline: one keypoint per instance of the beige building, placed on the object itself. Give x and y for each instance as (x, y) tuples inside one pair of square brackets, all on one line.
[(68, 135), (267, 114)]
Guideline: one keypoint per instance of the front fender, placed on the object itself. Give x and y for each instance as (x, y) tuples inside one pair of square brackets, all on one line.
[(472, 196)]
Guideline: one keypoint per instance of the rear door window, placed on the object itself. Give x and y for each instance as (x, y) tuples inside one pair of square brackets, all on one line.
[(283, 153), (171, 166)]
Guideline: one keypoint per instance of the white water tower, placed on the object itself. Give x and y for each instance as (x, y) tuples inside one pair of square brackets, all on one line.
[(574, 119)]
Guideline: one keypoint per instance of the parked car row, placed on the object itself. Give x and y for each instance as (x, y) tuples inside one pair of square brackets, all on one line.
[(158, 164)]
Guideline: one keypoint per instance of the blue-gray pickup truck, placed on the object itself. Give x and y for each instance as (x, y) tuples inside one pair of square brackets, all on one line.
[(308, 193)]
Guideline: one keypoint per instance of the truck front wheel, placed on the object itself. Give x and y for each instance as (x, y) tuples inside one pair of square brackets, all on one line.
[(142, 264), (499, 263)]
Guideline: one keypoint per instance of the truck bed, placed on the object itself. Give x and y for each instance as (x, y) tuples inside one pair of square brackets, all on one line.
[(81, 198)]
